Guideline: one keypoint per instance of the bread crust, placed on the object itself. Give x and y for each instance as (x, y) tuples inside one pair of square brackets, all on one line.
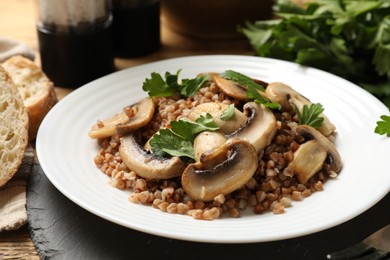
[(13, 129), (35, 88)]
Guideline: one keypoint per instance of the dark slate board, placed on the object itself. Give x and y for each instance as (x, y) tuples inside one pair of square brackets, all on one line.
[(61, 229)]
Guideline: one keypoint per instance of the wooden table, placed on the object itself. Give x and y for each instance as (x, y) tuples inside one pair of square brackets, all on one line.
[(17, 21)]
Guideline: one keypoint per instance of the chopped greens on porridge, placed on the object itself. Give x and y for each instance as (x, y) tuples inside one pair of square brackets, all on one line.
[(218, 144)]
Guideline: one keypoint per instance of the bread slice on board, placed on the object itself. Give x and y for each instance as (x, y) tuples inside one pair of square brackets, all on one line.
[(13, 127), (35, 88)]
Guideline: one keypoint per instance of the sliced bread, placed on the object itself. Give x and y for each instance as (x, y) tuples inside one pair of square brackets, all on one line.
[(35, 88), (13, 127)]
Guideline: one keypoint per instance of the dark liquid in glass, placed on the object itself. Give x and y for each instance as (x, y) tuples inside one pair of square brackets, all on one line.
[(73, 59), (136, 30)]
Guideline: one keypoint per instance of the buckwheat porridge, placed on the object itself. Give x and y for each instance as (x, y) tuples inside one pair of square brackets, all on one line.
[(217, 144)]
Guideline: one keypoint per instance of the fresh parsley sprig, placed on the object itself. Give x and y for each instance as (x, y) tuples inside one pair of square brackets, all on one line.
[(344, 37), (178, 140), (383, 126), (157, 86), (310, 115)]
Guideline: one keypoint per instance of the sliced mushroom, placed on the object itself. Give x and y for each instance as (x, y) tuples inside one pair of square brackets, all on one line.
[(148, 166), (106, 128), (239, 164), (333, 157), (260, 127), (216, 110), (144, 113), (233, 89), (122, 124), (230, 88), (308, 160), (286, 96), (207, 141)]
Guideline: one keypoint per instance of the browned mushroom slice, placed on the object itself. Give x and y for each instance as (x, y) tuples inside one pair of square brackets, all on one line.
[(148, 166), (233, 89), (239, 164), (230, 88), (216, 110), (260, 127), (122, 124), (308, 160), (286, 96), (144, 111), (106, 128), (333, 157)]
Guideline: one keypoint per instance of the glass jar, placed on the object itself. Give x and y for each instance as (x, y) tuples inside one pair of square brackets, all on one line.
[(75, 40)]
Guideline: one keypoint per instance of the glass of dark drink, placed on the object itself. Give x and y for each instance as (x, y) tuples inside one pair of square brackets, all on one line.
[(75, 40)]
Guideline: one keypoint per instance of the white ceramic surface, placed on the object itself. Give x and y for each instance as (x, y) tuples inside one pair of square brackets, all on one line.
[(66, 152)]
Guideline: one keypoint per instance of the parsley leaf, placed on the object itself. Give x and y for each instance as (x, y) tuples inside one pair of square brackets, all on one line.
[(188, 129), (228, 113), (166, 142), (178, 140), (259, 99), (157, 86), (348, 38), (310, 115), (191, 86), (383, 127)]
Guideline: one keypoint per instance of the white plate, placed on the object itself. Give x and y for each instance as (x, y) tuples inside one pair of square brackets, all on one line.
[(66, 152)]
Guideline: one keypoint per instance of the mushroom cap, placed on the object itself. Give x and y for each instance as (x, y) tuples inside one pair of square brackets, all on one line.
[(286, 96), (239, 164), (260, 128), (148, 166), (122, 124), (216, 110), (333, 156)]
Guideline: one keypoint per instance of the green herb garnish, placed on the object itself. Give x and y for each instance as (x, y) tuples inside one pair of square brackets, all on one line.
[(253, 94), (157, 86), (383, 127), (349, 38), (310, 115), (178, 140), (228, 113)]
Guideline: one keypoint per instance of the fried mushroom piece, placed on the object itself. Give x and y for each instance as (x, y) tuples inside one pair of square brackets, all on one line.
[(313, 153), (146, 165), (220, 171), (287, 97), (122, 123)]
